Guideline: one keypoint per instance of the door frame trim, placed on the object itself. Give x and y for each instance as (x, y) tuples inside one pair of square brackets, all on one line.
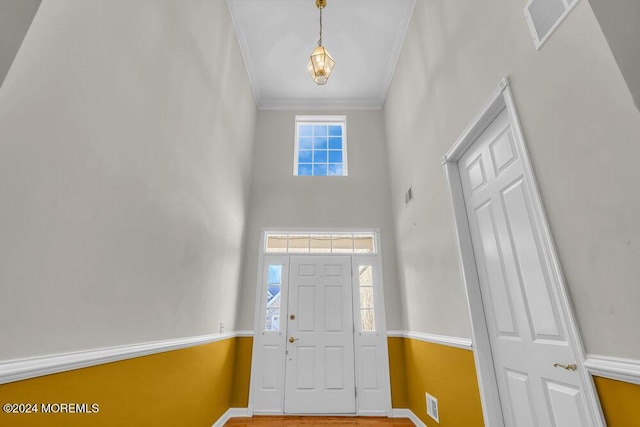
[(376, 261), (502, 99)]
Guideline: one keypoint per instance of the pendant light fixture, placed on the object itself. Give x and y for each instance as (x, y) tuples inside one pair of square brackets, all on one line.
[(320, 62)]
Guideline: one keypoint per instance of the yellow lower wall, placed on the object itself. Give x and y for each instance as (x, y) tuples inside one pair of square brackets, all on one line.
[(620, 402), (445, 372), (397, 375), (449, 374), (190, 387), (193, 387), (240, 393)]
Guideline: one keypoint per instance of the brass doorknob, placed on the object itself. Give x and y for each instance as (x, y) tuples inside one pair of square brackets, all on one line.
[(292, 339), (570, 367), (293, 316)]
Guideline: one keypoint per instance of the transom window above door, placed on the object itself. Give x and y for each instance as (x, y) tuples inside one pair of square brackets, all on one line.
[(320, 146), (320, 243)]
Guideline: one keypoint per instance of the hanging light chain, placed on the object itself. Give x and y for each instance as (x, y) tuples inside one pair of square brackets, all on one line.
[(320, 40)]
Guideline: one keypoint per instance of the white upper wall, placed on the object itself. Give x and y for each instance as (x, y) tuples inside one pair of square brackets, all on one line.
[(582, 131), (126, 132), (279, 199)]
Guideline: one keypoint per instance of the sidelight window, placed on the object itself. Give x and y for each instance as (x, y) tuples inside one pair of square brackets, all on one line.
[(367, 305), (274, 292)]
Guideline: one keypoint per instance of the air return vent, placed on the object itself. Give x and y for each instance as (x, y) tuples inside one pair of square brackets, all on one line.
[(544, 16), (432, 407)]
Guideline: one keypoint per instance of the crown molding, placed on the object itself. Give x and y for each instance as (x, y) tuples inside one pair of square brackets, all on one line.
[(320, 104)]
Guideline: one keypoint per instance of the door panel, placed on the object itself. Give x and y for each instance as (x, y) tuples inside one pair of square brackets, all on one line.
[(542, 312), (334, 368), (520, 396), (499, 294), (306, 319), (305, 367), (526, 331), (333, 309), (566, 405), (320, 373), (369, 364), (271, 358)]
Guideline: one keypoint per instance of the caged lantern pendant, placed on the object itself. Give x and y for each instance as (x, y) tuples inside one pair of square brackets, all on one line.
[(320, 63)]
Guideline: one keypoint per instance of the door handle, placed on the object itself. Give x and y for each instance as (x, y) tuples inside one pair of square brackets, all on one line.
[(292, 339), (570, 367)]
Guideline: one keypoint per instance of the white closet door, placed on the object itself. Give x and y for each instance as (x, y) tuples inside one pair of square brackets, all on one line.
[(527, 332)]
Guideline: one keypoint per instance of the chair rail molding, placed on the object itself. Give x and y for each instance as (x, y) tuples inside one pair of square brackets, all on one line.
[(31, 367), (463, 343), (615, 368)]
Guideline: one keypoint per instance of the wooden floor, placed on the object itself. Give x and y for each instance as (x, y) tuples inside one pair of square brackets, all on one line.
[(309, 421)]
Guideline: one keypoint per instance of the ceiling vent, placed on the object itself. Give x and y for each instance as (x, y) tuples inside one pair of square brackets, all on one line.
[(544, 16)]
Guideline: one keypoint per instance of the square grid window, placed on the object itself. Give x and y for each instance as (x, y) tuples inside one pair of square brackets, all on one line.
[(320, 146)]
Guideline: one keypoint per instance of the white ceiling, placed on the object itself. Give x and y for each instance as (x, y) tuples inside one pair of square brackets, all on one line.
[(364, 37)]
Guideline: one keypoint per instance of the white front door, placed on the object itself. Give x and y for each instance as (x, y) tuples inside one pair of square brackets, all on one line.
[(319, 366), (526, 330)]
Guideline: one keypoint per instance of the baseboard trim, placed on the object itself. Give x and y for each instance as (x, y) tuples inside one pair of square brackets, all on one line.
[(615, 368), (463, 343), (22, 369), (382, 413), (247, 412), (407, 413), (232, 413)]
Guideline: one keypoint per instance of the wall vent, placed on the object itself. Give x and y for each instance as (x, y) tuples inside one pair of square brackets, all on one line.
[(432, 407), (544, 16)]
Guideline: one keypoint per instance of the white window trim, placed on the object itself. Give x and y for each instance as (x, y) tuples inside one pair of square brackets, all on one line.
[(328, 120), (320, 232)]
